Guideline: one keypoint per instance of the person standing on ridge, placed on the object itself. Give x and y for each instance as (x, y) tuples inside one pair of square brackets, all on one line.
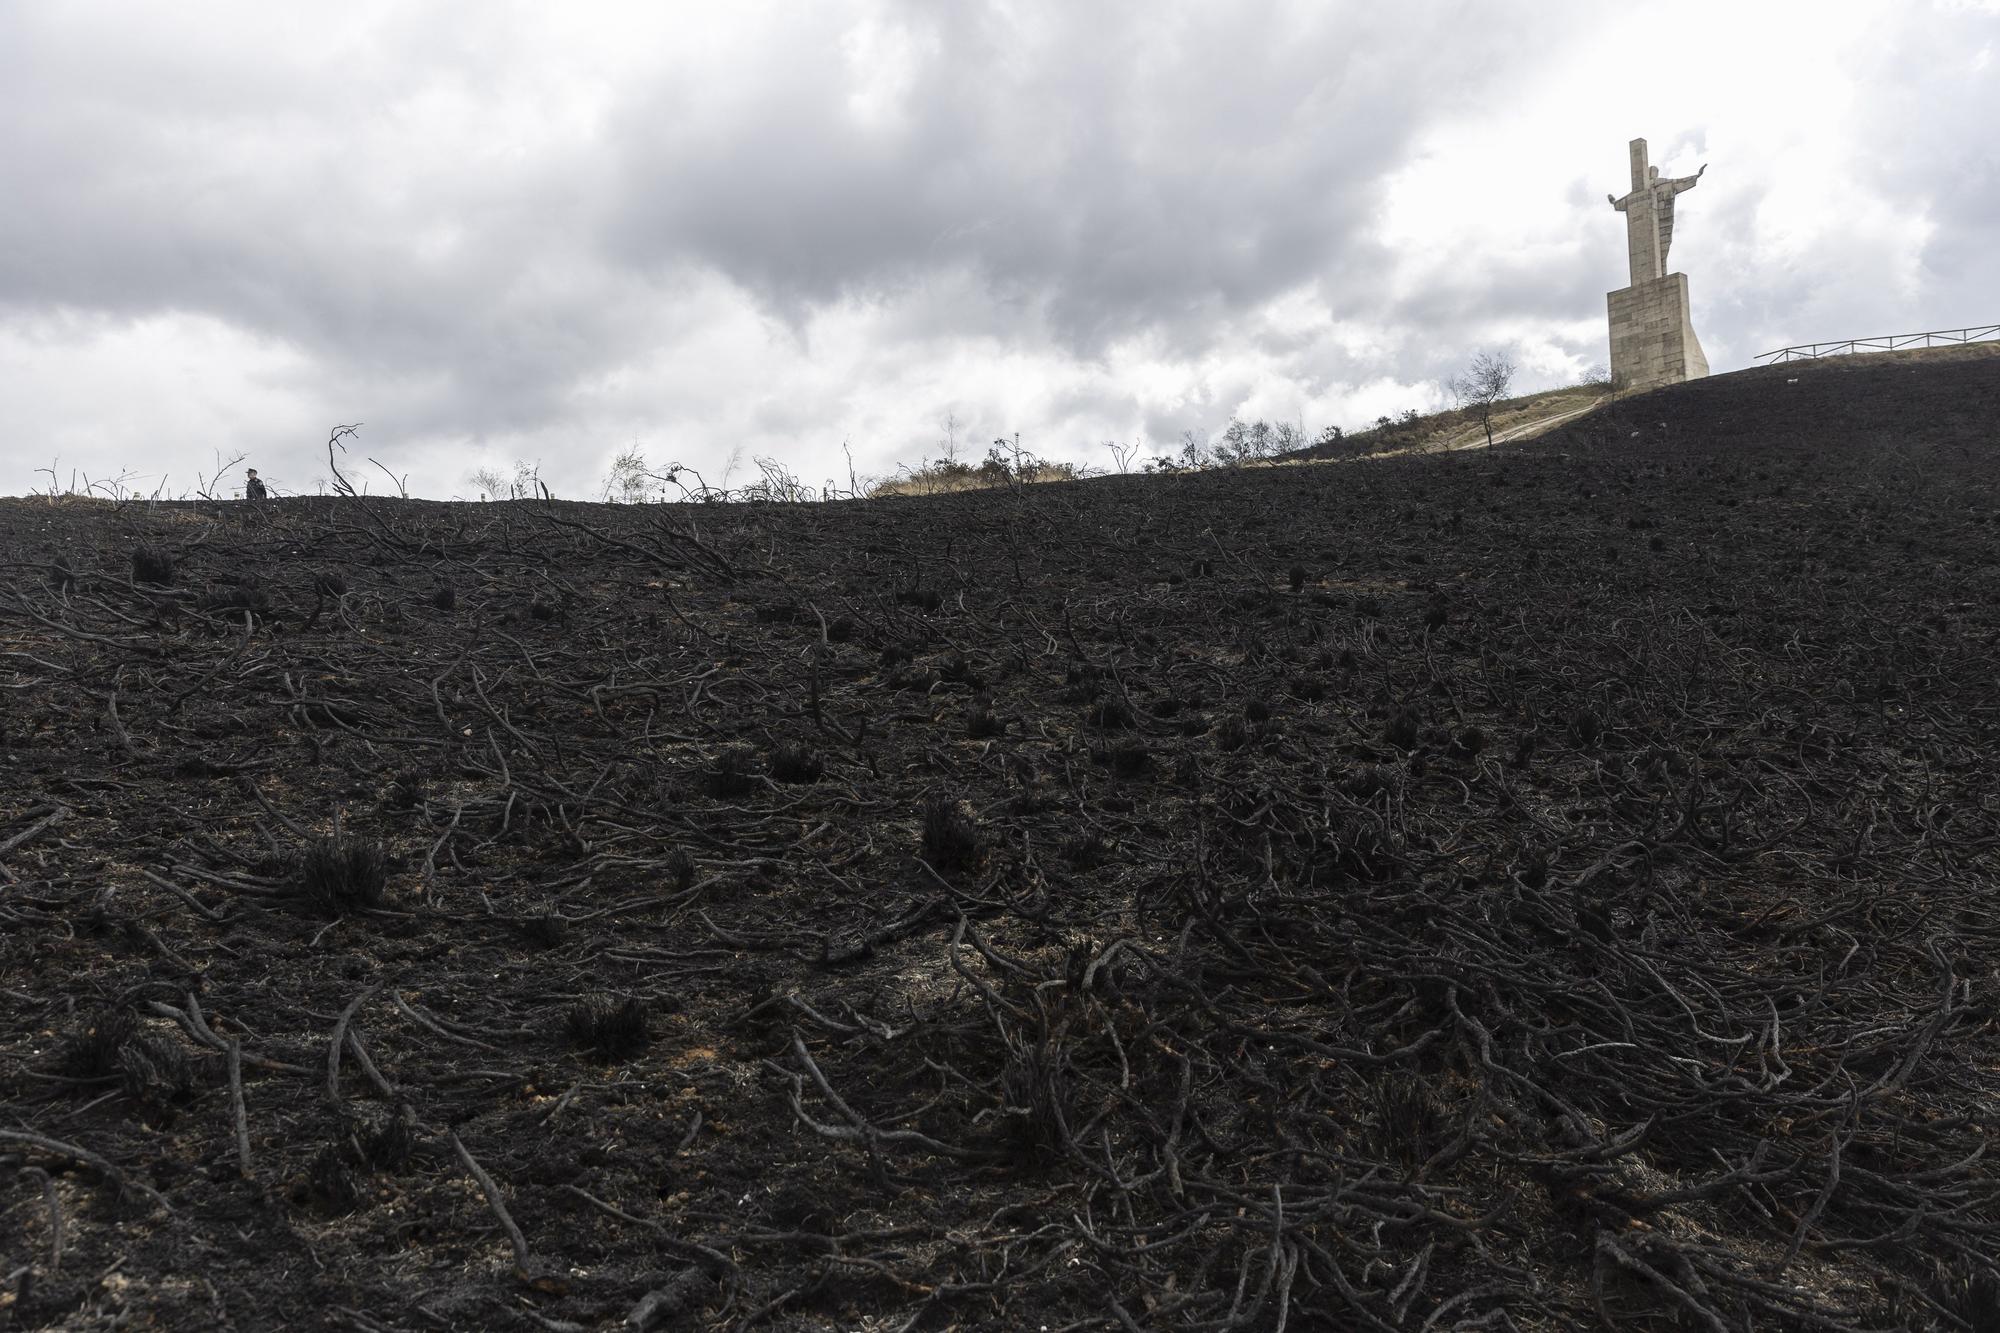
[(253, 486)]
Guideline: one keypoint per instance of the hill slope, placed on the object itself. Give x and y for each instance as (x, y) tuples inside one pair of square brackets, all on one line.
[(1520, 888)]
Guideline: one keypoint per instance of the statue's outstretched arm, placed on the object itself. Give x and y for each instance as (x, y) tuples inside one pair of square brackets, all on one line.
[(1680, 183), (1615, 202)]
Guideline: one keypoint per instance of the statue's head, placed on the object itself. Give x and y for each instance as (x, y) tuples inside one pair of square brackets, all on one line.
[(1652, 173)]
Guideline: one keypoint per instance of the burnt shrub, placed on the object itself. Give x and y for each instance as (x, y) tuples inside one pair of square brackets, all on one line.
[(342, 874), (1586, 728), (680, 868), (1257, 709), (1086, 851), (445, 598), (152, 564), (1109, 715), (1534, 871), (958, 669), (154, 1070), (1973, 1295), (1033, 1089), (1410, 1125), (1082, 683), (1357, 846), (547, 928), (93, 1052), (1403, 729), (796, 762), (1372, 780), (406, 791), (331, 1188), (613, 1029), (1467, 743), (732, 773), (1127, 758), (980, 724), (950, 839), (150, 1069), (235, 597), (1232, 733), (327, 583), (387, 1143), (1297, 576)]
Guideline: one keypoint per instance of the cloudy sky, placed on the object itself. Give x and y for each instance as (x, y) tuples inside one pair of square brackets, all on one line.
[(498, 231)]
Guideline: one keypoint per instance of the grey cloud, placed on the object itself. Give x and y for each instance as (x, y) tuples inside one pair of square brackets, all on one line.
[(207, 185), (1953, 178), (1105, 177)]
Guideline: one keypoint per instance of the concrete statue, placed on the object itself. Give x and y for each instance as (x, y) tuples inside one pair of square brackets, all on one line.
[(1652, 334)]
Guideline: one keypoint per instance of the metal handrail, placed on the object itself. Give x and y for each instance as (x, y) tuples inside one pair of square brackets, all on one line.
[(1888, 342)]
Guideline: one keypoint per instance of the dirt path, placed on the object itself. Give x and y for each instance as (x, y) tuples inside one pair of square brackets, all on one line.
[(1528, 430)]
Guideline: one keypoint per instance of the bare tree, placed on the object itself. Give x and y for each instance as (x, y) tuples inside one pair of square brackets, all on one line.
[(777, 483), (1194, 449), (205, 487), (629, 481), (1122, 454), (338, 440), (1246, 441), (489, 479), (526, 482), (1483, 384)]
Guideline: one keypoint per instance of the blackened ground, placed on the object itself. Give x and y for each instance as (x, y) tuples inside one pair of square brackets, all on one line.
[(1536, 888)]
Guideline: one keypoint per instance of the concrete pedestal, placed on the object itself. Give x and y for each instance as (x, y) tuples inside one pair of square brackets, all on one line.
[(1652, 336)]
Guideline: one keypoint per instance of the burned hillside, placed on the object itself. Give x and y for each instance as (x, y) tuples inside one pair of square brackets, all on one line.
[(1542, 887)]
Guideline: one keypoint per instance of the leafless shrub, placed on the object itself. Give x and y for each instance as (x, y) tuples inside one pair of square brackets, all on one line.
[(614, 1029), (342, 874)]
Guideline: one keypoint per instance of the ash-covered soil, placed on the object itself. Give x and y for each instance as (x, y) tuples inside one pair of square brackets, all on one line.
[(1546, 888)]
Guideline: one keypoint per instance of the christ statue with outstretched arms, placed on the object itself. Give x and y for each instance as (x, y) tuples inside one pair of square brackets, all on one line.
[(1649, 218)]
